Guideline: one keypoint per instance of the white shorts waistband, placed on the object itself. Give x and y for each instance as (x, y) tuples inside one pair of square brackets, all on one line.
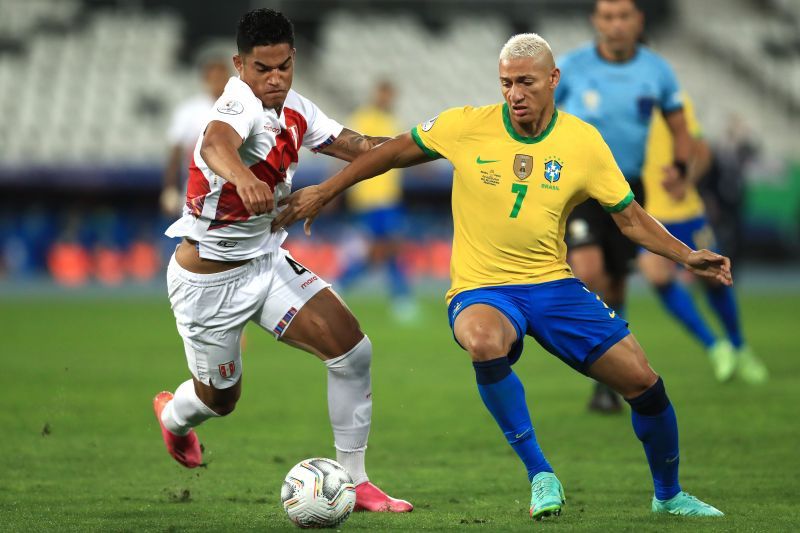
[(219, 278)]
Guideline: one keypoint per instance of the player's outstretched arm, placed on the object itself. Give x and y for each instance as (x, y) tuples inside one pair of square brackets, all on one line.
[(350, 144), (220, 152), (644, 230), (306, 203)]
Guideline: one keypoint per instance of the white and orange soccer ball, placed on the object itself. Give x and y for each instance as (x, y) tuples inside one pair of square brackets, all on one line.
[(317, 493)]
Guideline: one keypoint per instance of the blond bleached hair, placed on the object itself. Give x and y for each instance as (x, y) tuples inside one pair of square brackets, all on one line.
[(526, 45)]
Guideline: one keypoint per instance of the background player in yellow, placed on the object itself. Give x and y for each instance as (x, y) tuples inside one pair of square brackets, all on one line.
[(677, 204), (520, 168), (377, 204)]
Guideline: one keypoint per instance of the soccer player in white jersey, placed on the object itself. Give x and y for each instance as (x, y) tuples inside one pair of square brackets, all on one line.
[(187, 124), (230, 268)]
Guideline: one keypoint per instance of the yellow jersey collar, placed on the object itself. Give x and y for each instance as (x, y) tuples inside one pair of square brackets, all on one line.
[(521, 138)]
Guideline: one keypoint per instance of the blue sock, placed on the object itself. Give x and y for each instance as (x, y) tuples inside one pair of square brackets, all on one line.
[(397, 279), (351, 274), (723, 302), (655, 425), (678, 301), (504, 397)]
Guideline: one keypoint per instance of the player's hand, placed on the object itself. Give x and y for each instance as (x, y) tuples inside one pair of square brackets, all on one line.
[(304, 203), (171, 201), (707, 264), (674, 183), (255, 194)]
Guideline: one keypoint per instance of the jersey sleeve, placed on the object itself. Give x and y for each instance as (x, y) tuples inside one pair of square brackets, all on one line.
[(438, 137), (321, 131), (606, 184), (670, 97), (239, 111)]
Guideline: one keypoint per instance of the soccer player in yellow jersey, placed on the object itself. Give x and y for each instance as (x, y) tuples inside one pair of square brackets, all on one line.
[(520, 168), (677, 204), (378, 205)]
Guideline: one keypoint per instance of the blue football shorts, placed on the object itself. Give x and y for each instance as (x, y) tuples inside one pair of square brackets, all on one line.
[(564, 317), (695, 233), (383, 222)]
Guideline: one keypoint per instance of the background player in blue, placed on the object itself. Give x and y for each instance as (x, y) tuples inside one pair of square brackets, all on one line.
[(614, 84)]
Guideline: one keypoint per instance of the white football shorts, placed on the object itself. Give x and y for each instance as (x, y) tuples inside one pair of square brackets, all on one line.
[(211, 310)]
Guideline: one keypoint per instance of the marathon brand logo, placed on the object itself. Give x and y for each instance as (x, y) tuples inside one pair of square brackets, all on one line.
[(308, 282)]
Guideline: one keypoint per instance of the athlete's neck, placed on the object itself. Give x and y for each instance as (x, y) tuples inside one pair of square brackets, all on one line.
[(538, 125), (616, 56)]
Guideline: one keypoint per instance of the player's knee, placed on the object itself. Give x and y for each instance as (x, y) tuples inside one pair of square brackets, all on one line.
[(336, 336), (222, 401), (639, 380), (484, 345), (223, 408), (355, 363), (657, 277)]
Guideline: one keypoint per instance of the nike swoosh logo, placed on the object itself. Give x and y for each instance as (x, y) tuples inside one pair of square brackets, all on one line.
[(520, 435), (484, 161), (673, 459), (612, 314)]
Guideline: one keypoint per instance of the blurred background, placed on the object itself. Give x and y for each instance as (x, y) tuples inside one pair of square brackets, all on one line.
[(96, 95)]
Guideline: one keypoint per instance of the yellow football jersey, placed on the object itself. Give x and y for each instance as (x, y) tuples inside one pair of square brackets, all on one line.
[(658, 155), (386, 189), (512, 194)]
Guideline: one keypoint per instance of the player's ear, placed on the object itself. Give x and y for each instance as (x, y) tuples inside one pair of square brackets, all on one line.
[(238, 63), (555, 77)]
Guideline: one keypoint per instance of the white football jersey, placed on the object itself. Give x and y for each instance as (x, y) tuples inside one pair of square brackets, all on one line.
[(214, 215)]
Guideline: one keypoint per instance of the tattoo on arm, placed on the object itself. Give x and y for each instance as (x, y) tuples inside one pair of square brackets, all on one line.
[(349, 145)]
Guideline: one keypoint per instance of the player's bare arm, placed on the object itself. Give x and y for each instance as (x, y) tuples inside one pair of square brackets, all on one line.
[(637, 225), (678, 176), (350, 144), (219, 151), (399, 152), (701, 160), (170, 193)]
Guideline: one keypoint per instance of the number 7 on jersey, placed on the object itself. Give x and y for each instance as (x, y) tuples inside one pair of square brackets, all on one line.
[(520, 189)]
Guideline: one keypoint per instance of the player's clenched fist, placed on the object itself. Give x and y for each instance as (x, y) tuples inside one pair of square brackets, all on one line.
[(256, 195), (708, 264)]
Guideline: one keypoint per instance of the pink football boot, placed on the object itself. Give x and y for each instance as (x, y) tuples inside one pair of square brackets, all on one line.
[(184, 448), (371, 498)]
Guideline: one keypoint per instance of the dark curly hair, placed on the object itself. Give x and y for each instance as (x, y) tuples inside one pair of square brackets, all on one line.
[(263, 27)]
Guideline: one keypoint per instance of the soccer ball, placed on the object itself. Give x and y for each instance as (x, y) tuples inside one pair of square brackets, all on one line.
[(318, 492)]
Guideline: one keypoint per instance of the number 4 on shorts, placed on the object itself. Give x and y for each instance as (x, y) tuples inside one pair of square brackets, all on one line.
[(297, 267)]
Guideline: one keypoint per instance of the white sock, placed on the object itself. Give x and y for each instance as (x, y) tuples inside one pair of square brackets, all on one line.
[(353, 462), (350, 407), (185, 410)]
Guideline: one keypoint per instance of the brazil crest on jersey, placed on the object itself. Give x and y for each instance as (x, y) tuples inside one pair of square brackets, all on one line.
[(512, 194)]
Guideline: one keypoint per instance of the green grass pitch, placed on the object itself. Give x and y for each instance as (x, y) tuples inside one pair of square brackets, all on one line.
[(80, 447)]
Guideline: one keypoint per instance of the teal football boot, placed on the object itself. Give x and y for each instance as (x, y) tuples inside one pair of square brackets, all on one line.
[(547, 495), (751, 369), (684, 504), (723, 360)]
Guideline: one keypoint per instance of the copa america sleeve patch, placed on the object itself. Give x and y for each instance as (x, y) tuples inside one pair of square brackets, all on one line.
[(231, 107)]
